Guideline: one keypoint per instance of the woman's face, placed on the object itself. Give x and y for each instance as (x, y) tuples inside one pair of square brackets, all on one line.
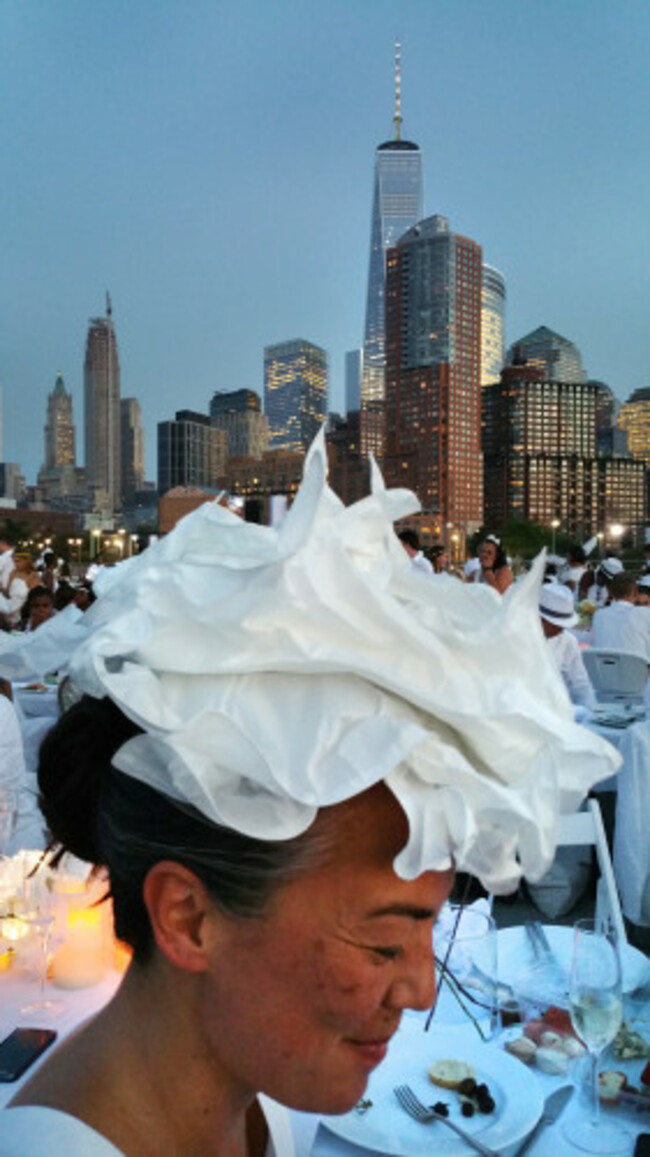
[(41, 609), (487, 553), (302, 1002)]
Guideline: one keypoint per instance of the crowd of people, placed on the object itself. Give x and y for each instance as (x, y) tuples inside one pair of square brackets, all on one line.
[(32, 590), (599, 604)]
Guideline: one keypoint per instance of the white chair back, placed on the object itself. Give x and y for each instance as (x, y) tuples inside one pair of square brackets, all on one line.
[(616, 676), (584, 828)]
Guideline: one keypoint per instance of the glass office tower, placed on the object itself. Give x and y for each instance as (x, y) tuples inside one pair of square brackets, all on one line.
[(493, 324), (397, 204), (295, 393)]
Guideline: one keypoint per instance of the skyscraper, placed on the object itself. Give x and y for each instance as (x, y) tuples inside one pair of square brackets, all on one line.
[(131, 448), (397, 204), (433, 372), (102, 408), (295, 393), (493, 323), (634, 418), (59, 427), (239, 413), (556, 358), (542, 461), (191, 452)]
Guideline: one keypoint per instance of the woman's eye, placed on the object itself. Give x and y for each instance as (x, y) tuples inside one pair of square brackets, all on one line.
[(387, 953)]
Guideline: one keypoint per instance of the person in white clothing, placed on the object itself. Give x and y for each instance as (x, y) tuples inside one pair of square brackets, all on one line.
[(642, 591), (599, 591), (622, 626), (6, 561), (279, 785), (558, 616), (411, 544), (573, 569)]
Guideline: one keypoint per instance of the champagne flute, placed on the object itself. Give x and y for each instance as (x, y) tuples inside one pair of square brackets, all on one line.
[(38, 911), (596, 1008)]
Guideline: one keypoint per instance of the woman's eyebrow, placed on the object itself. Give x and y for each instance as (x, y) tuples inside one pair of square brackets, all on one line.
[(412, 911)]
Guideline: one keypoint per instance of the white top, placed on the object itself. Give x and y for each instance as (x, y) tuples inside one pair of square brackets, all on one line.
[(6, 565), (34, 1131), (566, 654), (622, 627), (420, 562), (12, 603)]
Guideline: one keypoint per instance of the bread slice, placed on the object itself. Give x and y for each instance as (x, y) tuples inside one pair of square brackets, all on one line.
[(449, 1074)]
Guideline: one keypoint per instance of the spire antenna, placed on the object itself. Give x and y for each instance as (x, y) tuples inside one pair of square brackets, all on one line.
[(397, 119), (109, 307)]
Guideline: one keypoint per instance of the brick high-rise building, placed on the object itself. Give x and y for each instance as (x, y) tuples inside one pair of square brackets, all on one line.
[(102, 408), (433, 372)]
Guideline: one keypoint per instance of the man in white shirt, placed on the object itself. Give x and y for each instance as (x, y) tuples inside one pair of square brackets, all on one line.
[(411, 544), (599, 591), (622, 626), (557, 612)]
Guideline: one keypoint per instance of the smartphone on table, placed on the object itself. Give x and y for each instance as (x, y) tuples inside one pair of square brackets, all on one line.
[(21, 1048)]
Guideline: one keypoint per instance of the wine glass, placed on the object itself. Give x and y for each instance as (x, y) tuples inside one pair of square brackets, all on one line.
[(38, 911), (466, 969), (596, 1008)]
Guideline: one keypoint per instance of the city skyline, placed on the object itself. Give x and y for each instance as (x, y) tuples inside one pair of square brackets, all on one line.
[(213, 170)]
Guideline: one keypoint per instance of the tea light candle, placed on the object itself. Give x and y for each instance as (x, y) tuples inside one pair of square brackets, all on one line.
[(79, 962)]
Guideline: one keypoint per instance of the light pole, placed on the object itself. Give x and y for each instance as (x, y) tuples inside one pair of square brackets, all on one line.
[(616, 532), (600, 536), (555, 522)]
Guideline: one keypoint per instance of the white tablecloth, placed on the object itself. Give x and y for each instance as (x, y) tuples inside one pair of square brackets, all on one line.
[(632, 830)]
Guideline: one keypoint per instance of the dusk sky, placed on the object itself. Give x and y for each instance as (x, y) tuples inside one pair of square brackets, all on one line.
[(210, 163)]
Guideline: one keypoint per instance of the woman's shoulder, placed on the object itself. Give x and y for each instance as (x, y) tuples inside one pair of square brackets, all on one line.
[(32, 1130)]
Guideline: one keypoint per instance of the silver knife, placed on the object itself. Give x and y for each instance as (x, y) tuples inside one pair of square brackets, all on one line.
[(553, 1106)]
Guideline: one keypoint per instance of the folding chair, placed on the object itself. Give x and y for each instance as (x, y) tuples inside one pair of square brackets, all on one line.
[(584, 828), (617, 676)]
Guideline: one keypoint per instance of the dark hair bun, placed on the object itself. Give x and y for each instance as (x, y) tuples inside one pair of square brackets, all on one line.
[(74, 760)]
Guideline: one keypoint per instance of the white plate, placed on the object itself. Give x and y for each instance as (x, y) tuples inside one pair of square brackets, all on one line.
[(515, 956), (386, 1128)]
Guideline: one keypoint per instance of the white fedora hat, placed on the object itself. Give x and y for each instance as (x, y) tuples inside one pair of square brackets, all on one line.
[(556, 605)]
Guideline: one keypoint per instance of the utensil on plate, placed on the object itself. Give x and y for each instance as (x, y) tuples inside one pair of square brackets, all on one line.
[(553, 1106), (426, 1113)]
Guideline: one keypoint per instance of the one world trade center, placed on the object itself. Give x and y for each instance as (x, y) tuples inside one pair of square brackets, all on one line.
[(397, 205)]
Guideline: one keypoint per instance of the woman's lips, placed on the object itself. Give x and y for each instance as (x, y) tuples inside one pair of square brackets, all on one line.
[(373, 1051)]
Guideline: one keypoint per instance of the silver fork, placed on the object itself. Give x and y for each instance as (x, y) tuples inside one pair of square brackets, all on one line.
[(426, 1113)]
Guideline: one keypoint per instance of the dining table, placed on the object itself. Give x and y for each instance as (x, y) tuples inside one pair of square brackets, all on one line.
[(383, 1130)]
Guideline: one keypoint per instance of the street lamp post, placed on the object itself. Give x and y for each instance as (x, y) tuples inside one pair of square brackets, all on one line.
[(616, 532), (555, 522)]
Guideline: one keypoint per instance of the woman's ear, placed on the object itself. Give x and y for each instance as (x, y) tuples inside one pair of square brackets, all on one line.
[(179, 906)]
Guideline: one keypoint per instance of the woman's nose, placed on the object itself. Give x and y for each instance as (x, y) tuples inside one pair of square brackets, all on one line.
[(416, 988)]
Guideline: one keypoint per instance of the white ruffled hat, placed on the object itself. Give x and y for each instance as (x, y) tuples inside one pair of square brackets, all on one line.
[(277, 671)]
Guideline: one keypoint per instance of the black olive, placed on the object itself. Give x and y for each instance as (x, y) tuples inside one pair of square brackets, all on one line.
[(467, 1109), (442, 1108)]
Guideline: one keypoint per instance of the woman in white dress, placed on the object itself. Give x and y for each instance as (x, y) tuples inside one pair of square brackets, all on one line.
[(279, 784)]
